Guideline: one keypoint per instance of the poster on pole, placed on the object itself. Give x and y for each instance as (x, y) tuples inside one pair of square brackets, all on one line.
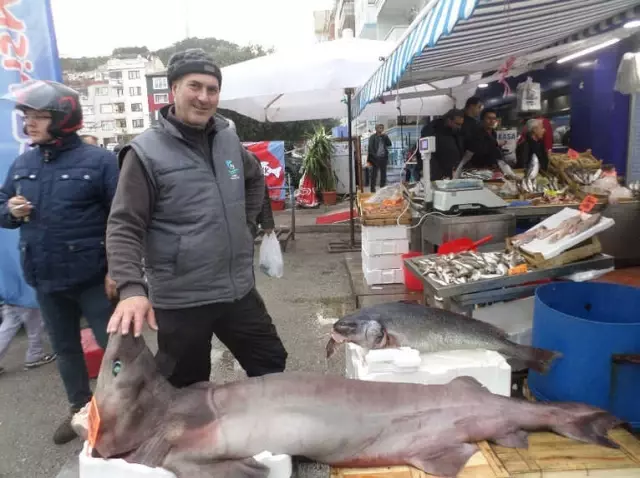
[(510, 138), (271, 157), (28, 50)]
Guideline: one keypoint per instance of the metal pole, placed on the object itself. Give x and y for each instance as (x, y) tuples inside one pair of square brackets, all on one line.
[(352, 227)]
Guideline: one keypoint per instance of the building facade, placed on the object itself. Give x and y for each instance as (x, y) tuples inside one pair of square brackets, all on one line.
[(385, 19), (158, 94), (114, 102)]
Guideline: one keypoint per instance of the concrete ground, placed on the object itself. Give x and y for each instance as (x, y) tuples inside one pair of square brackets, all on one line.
[(313, 292)]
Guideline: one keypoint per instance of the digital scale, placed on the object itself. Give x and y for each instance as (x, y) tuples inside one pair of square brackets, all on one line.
[(455, 195)]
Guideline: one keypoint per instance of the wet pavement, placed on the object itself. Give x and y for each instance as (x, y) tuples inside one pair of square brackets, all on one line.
[(313, 293)]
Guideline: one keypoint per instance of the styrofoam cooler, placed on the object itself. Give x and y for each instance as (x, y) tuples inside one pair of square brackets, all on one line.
[(280, 466), (382, 249), (383, 233), (383, 276), (408, 365), (514, 317)]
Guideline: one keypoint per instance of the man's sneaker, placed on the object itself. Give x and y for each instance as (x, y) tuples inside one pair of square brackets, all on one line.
[(38, 363), (65, 432)]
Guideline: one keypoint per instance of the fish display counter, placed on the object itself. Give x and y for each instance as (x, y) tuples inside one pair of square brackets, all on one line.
[(564, 244)]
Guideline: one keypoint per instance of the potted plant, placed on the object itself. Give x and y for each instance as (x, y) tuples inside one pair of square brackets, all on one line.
[(317, 164)]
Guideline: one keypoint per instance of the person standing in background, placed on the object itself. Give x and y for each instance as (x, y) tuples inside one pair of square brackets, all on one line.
[(59, 194), (547, 138), (20, 308), (378, 156)]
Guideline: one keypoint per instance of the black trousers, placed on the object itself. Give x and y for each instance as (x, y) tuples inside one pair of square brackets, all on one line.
[(244, 327), (381, 166)]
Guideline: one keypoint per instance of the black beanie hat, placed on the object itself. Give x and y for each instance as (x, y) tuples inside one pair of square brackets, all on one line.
[(193, 60)]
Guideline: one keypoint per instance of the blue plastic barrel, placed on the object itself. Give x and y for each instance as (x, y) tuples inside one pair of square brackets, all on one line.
[(596, 326)]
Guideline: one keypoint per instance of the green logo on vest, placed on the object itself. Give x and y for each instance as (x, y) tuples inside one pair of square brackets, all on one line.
[(233, 171)]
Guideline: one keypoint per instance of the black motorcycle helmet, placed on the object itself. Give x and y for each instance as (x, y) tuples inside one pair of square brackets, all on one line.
[(44, 95)]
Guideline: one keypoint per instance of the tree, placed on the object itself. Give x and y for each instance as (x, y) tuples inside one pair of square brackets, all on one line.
[(130, 50)]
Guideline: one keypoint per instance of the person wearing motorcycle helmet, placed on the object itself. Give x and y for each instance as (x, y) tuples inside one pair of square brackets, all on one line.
[(58, 194)]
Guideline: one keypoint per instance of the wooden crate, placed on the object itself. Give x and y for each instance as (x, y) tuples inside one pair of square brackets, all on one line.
[(388, 217), (548, 456), (584, 250)]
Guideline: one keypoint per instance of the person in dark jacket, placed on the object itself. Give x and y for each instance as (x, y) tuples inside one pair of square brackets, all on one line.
[(59, 194), (265, 218), (449, 143), (188, 198), (378, 156)]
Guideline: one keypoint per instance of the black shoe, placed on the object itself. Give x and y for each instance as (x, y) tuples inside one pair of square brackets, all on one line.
[(65, 432), (38, 363)]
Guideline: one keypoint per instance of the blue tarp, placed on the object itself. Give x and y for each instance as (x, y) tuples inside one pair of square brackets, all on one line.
[(29, 51)]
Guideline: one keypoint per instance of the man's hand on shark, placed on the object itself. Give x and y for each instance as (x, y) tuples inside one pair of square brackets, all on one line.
[(133, 310)]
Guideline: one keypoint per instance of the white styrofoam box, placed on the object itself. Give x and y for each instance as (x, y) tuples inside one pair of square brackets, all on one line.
[(386, 261), (408, 365), (386, 246), (280, 466), (548, 250), (383, 276), (382, 233), (514, 317)]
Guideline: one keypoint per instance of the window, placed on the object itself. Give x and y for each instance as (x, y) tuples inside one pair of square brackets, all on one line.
[(135, 91), (136, 107), (106, 109), (121, 123), (119, 91), (108, 125), (134, 75), (138, 123), (102, 91), (119, 107), (115, 75), (87, 110), (160, 83), (89, 125), (161, 98)]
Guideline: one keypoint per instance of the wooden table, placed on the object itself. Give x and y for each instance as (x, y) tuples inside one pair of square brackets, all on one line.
[(366, 295), (548, 456)]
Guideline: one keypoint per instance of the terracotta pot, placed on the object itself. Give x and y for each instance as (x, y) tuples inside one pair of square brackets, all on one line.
[(329, 197)]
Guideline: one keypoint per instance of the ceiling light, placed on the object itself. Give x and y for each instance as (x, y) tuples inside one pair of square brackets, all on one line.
[(586, 51), (632, 24), (483, 85)]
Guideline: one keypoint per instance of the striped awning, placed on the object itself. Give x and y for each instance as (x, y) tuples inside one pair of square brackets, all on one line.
[(454, 37)]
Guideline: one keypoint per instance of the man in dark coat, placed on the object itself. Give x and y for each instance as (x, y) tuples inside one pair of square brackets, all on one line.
[(449, 143)]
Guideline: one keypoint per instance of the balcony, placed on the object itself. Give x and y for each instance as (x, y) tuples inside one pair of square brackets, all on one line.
[(366, 13), (395, 33)]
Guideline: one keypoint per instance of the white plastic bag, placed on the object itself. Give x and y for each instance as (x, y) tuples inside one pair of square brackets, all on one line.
[(528, 96), (271, 262)]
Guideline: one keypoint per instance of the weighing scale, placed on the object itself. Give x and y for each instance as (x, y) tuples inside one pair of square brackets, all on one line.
[(456, 195)]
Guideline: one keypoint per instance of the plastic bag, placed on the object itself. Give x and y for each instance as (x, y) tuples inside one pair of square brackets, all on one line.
[(271, 262)]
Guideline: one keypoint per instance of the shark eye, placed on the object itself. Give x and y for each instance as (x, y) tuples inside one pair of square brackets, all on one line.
[(117, 366)]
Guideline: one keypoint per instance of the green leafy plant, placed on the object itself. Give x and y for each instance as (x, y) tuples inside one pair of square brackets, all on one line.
[(317, 160)]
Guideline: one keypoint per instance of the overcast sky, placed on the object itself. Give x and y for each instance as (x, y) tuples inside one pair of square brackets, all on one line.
[(93, 27)]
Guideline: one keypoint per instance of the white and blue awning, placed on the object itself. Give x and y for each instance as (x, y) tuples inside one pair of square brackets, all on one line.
[(457, 37)]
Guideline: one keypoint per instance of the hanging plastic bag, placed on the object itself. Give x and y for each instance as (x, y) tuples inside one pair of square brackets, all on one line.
[(271, 262)]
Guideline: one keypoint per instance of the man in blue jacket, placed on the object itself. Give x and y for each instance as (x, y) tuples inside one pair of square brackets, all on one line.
[(59, 194)]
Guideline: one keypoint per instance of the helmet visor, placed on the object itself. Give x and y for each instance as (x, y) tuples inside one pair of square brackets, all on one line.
[(41, 95)]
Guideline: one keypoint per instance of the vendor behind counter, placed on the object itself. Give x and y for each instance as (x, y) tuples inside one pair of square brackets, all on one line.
[(449, 143), (532, 144)]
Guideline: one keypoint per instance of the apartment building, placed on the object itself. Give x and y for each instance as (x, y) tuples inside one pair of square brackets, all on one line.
[(114, 104), (384, 19), (158, 94), (344, 17), (324, 25)]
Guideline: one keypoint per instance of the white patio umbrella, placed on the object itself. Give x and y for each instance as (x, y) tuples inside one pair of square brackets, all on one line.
[(306, 84)]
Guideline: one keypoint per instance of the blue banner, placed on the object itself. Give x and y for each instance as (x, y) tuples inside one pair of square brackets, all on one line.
[(28, 50)]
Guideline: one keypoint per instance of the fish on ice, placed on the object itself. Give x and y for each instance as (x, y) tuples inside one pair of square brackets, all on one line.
[(429, 329), (208, 430)]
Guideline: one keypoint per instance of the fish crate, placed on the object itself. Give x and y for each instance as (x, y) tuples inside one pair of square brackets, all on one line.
[(389, 216), (588, 248), (549, 456)]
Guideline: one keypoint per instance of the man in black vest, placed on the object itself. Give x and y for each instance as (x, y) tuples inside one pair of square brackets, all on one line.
[(187, 201)]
